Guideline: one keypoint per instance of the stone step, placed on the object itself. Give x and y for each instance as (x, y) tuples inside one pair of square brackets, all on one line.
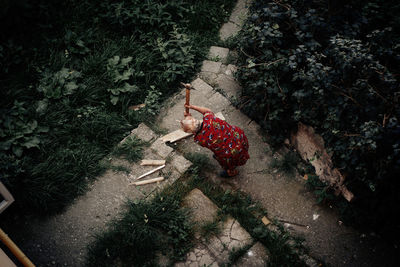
[(215, 250)]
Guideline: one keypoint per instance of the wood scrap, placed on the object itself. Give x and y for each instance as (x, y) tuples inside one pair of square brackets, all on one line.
[(149, 181), (152, 162), (137, 107), (150, 172), (265, 220), (175, 136)]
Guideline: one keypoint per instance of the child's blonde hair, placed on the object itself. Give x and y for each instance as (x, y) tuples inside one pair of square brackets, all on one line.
[(190, 124)]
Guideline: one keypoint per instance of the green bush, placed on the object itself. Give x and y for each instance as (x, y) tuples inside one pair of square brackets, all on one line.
[(331, 65)]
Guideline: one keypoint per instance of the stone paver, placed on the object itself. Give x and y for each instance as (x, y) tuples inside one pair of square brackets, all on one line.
[(211, 66), (203, 209), (180, 163), (218, 54), (236, 20), (228, 85), (161, 148), (229, 29), (202, 86), (231, 237), (143, 132)]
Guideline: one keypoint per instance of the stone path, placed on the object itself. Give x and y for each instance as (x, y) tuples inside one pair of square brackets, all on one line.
[(62, 239)]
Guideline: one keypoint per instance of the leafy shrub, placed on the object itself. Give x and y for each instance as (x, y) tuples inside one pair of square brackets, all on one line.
[(327, 66), (77, 67), (59, 84), (18, 132), (120, 73)]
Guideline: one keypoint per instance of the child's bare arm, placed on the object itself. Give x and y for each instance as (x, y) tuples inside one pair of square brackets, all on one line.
[(202, 110)]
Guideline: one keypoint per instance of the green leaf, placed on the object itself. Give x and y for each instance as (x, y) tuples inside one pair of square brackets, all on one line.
[(70, 88), (125, 61), (113, 61), (114, 99), (5, 145), (32, 142), (17, 150)]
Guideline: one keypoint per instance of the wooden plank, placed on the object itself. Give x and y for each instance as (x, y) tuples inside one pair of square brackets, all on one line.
[(149, 181), (175, 136), (152, 162), (150, 172)]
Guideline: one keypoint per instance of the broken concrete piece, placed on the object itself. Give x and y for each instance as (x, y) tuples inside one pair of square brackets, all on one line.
[(311, 148)]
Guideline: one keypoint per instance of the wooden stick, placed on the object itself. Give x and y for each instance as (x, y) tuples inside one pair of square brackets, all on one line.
[(150, 172), (15, 250), (149, 181), (152, 162)]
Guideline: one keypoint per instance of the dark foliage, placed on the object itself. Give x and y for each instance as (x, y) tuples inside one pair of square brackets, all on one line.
[(333, 65)]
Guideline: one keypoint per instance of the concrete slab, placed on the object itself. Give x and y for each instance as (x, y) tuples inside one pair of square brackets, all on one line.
[(198, 256), (143, 132), (219, 54), (211, 66), (218, 102), (232, 237), (227, 30), (180, 163), (202, 86), (240, 12), (229, 85), (203, 209), (161, 148)]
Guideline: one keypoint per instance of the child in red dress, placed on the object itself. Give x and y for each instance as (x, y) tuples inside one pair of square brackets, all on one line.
[(228, 142)]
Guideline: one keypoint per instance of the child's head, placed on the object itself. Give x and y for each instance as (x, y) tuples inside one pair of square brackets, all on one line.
[(190, 124)]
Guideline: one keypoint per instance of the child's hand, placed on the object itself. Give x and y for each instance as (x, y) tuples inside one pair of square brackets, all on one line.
[(188, 106)]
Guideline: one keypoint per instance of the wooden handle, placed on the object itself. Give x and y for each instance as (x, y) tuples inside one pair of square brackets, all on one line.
[(187, 99)]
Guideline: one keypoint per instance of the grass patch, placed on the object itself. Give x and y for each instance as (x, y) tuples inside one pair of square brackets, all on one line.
[(131, 149), (286, 164), (146, 229)]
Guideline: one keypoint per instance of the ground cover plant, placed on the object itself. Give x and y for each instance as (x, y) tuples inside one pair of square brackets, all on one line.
[(69, 73), (333, 65), (145, 229)]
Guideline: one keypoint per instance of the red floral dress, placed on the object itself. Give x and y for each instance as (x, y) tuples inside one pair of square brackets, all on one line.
[(228, 142)]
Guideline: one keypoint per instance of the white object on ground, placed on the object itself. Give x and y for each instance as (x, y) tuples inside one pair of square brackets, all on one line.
[(149, 181)]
